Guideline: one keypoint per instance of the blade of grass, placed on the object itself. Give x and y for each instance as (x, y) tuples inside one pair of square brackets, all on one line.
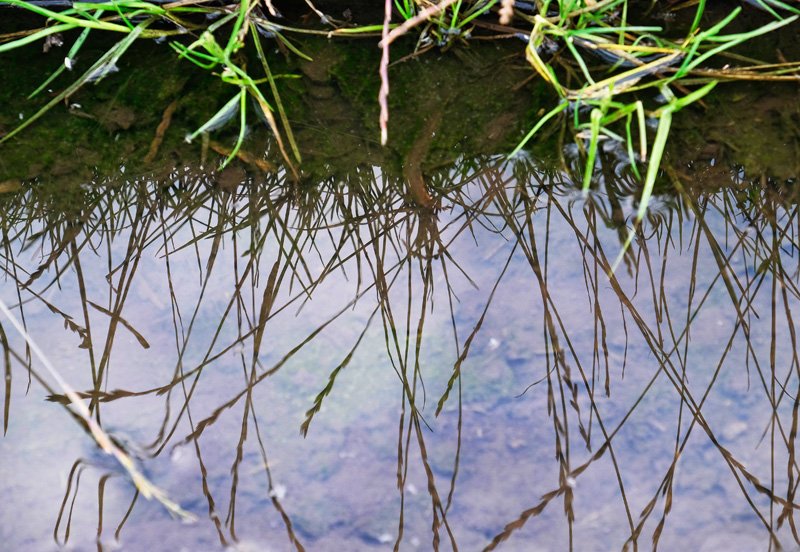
[(596, 116), (71, 55), (108, 59), (543, 121), (220, 118), (281, 112)]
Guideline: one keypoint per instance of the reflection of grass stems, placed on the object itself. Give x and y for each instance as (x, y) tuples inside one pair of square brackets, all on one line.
[(481, 193), (143, 485)]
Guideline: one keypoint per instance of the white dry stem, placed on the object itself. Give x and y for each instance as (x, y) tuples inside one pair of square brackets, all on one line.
[(144, 486), (322, 16), (506, 11), (271, 8), (423, 15), (383, 93), (387, 38)]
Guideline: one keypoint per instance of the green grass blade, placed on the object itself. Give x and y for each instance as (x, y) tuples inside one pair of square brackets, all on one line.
[(220, 118), (543, 121), (591, 156), (276, 95), (110, 57)]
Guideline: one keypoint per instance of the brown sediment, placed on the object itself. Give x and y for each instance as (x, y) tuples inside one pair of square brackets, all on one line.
[(247, 158), (166, 121), (113, 116), (412, 168), (12, 185)]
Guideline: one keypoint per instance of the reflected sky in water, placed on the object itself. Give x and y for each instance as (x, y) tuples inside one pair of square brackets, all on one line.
[(469, 377)]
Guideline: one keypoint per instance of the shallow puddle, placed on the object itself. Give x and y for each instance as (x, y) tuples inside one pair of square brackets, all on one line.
[(209, 327)]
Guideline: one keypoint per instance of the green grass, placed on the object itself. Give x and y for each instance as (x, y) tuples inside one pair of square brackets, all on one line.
[(609, 76)]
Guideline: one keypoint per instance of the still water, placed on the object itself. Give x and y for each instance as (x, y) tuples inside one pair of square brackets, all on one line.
[(320, 363), (469, 376)]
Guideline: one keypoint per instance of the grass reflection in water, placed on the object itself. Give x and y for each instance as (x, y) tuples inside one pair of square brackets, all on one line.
[(479, 351)]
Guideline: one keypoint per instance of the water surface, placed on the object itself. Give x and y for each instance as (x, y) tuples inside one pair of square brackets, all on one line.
[(324, 364)]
